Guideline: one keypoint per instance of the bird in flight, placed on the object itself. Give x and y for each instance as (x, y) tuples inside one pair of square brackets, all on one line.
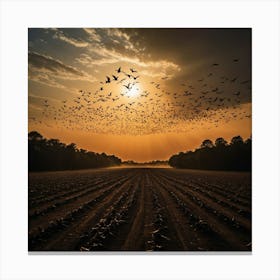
[(108, 80), (127, 86), (132, 71)]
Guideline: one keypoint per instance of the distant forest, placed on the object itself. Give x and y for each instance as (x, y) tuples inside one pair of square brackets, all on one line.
[(153, 162), (51, 154), (235, 156)]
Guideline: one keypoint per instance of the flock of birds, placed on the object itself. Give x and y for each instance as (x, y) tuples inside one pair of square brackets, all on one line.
[(120, 106)]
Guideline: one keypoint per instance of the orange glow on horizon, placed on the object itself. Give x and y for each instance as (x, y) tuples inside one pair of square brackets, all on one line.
[(148, 147)]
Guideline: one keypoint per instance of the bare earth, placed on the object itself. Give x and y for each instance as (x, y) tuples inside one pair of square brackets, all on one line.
[(139, 209)]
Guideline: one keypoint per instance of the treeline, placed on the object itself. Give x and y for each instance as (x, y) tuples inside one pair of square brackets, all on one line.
[(51, 154), (235, 156), (154, 162)]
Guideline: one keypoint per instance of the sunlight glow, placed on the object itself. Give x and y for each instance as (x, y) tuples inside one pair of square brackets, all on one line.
[(134, 91)]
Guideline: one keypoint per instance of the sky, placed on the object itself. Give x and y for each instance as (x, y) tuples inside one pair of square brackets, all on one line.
[(140, 94)]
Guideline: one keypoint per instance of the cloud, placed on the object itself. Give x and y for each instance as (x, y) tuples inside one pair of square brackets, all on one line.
[(93, 35), (105, 46), (120, 37), (70, 40), (115, 46), (100, 36), (102, 56), (44, 79), (48, 66), (51, 72)]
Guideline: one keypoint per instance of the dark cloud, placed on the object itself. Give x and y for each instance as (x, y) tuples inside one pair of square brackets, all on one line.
[(192, 44), (195, 50), (40, 61)]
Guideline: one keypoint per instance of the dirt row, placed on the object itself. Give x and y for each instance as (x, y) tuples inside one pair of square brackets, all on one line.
[(140, 209)]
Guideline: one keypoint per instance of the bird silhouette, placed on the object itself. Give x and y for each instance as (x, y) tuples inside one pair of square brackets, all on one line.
[(127, 86), (103, 110)]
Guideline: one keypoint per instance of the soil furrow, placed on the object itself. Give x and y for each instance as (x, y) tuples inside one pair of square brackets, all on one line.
[(209, 222), (75, 222), (227, 215), (139, 209)]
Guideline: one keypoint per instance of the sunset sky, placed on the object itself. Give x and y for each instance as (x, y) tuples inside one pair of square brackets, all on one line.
[(140, 94)]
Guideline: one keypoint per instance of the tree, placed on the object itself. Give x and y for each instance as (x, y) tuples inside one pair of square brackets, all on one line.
[(82, 151), (220, 142), (234, 156), (53, 142), (72, 147), (51, 154), (248, 141), (236, 140), (207, 144), (34, 136)]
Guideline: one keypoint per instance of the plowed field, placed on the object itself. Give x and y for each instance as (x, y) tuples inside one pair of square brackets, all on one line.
[(139, 209)]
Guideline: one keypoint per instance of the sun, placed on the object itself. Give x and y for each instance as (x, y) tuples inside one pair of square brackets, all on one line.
[(133, 91)]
